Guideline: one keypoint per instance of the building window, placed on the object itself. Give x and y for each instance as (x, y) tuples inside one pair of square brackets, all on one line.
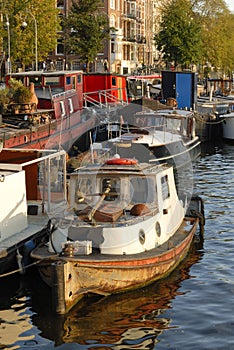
[(60, 3), (112, 4), (60, 47), (112, 21)]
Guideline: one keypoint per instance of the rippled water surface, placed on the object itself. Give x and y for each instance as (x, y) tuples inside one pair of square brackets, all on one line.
[(191, 309)]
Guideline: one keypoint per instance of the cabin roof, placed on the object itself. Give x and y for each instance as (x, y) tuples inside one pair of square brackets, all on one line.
[(106, 169), (47, 73), (167, 113)]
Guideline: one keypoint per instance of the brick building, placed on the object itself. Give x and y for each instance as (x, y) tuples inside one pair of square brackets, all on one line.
[(130, 47)]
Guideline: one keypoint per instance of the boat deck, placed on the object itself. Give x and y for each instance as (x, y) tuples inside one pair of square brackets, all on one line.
[(186, 230), (36, 224)]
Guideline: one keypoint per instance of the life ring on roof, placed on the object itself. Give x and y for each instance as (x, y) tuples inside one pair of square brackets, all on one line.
[(121, 161)]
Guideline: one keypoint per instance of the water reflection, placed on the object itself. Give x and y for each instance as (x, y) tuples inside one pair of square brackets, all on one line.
[(15, 323), (16, 298), (127, 321)]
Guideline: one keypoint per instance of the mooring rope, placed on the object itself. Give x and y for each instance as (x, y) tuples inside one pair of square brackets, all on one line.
[(198, 117)]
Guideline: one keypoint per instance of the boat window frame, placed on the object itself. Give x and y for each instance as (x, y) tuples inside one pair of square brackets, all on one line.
[(62, 108), (115, 190), (151, 196), (52, 80), (68, 80), (165, 187), (70, 103), (84, 188), (79, 78)]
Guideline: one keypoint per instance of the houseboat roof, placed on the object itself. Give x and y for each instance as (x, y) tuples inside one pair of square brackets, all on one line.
[(45, 73), (138, 168), (168, 113)]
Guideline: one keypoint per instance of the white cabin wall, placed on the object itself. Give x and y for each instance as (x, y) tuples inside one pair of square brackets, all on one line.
[(13, 213), (171, 209)]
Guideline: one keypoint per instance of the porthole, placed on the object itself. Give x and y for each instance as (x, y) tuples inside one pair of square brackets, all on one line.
[(158, 229), (142, 236)]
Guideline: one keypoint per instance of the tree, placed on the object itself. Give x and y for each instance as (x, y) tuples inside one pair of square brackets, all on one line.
[(87, 27), (217, 33), (179, 37), (42, 17)]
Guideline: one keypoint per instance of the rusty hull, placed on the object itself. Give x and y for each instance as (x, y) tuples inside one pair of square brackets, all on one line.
[(72, 277)]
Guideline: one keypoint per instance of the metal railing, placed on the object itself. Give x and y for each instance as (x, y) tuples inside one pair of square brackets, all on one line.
[(104, 98)]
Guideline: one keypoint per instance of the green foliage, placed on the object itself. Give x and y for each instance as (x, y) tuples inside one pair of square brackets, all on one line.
[(42, 17), (180, 35), (18, 93), (87, 27), (218, 34), (4, 97)]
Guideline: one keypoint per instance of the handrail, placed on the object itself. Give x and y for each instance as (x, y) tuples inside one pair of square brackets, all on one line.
[(106, 94)]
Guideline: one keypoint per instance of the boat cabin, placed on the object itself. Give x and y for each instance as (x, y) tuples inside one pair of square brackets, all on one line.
[(122, 207), (47, 84), (182, 122), (104, 88), (32, 185)]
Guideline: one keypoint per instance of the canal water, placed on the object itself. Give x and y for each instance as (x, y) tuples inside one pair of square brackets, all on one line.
[(191, 309)]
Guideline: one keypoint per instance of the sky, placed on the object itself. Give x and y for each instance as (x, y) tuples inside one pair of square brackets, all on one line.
[(230, 4)]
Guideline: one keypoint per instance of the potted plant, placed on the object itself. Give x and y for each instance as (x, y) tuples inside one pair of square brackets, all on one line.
[(19, 94), (4, 100)]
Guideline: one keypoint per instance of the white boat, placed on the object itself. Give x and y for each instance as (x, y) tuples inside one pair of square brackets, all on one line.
[(30, 188), (228, 126), (125, 227), (162, 136)]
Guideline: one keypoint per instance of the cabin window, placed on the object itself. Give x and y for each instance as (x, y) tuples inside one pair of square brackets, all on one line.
[(68, 80), (62, 108), (114, 81), (73, 82), (173, 124), (79, 78), (36, 80), (71, 109), (165, 187), (85, 186), (114, 184), (51, 80), (142, 190), (84, 189)]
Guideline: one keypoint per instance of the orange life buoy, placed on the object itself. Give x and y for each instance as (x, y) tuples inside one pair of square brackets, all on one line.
[(121, 161)]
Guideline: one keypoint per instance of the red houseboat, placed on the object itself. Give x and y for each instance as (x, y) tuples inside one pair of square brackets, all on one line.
[(58, 119), (60, 116)]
